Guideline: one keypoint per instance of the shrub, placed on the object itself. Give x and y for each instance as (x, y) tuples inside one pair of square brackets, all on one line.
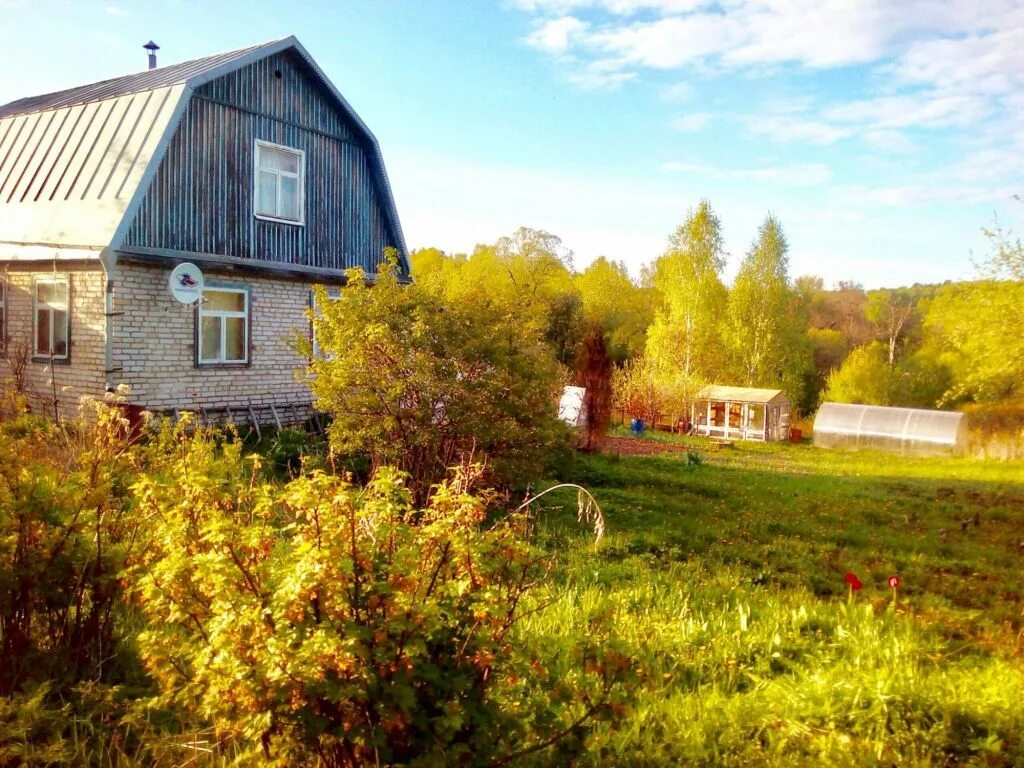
[(417, 382), (327, 622), (65, 531)]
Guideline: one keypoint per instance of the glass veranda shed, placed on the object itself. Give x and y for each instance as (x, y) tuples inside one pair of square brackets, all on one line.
[(742, 413), (907, 431)]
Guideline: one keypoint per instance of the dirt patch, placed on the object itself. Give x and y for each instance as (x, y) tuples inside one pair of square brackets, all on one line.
[(634, 446)]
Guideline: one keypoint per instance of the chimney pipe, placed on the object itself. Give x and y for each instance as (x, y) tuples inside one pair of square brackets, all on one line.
[(152, 48)]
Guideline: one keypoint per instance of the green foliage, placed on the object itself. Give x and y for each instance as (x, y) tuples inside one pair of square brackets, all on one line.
[(65, 533), (328, 622), (866, 377), (417, 382), (765, 333), (638, 392), (974, 329), (684, 342), (612, 300), (527, 274)]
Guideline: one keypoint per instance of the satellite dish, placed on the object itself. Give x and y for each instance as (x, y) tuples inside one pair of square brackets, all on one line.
[(186, 283)]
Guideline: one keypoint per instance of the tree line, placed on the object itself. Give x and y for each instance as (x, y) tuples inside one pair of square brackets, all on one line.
[(679, 326)]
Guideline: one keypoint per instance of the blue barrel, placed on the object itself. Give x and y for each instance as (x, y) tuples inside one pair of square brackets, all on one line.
[(636, 426)]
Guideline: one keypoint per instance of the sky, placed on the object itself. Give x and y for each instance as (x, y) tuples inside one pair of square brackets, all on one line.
[(883, 135)]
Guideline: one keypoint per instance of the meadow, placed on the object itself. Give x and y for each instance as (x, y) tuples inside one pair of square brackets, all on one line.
[(725, 572)]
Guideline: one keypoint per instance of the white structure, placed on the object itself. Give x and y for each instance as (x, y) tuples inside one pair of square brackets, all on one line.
[(570, 407), (908, 431), (742, 413)]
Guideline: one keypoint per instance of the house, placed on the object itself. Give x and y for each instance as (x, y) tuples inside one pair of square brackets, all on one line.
[(249, 165), (742, 413)]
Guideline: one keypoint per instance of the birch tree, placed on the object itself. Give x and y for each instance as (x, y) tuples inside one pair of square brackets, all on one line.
[(684, 342)]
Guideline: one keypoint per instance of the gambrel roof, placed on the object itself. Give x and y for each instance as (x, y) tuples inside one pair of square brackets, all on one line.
[(75, 164)]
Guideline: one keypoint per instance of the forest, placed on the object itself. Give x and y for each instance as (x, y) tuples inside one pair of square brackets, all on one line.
[(679, 326)]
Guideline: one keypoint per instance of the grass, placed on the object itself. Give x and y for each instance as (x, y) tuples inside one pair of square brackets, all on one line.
[(727, 580)]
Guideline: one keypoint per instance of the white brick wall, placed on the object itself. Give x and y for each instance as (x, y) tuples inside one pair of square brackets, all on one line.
[(154, 341), (83, 373)]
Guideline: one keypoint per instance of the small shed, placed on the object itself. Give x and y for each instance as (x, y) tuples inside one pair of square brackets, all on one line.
[(742, 413), (907, 431)]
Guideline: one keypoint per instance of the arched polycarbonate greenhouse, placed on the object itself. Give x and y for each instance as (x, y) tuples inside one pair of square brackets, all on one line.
[(907, 431)]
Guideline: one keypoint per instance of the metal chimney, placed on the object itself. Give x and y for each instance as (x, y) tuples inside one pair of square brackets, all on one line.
[(152, 48)]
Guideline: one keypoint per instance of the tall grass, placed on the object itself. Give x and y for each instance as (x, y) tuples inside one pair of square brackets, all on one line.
[(727, 580)]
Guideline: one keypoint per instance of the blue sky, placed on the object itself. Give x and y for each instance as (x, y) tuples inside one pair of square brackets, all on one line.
[(884, 135)]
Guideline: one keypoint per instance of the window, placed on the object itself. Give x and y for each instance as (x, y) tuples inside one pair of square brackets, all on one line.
[(51, 322), (224, 326), (279, 185), (333, 294)]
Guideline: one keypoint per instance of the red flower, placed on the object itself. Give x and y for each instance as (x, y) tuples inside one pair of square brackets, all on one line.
[(894, 581), (853, 581)]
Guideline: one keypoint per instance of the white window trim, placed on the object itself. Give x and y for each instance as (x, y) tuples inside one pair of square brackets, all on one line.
[(333, 294), (245, 314), (300, 183), (36, 282)]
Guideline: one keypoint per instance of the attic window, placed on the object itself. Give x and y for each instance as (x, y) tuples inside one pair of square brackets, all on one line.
[(278, 192)]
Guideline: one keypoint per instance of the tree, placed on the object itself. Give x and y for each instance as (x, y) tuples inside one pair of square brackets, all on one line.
[(865, 377), (594, 373), (974, 328), (891, 311), (527, 274), (612, 299), (1007, 259), (684, 342), (418, 382), (764, 330)]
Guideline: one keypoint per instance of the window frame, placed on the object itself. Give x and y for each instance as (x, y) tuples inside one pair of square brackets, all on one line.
[(300, 177), (333, 294), (47, 358), (246, 316)]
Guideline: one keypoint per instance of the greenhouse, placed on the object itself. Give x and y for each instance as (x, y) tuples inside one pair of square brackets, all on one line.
[(908, 431), (741, 413)]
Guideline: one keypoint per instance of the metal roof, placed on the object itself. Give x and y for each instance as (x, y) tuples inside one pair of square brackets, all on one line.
[(161, 77), (75, 164), (742, 394), (68, 174)]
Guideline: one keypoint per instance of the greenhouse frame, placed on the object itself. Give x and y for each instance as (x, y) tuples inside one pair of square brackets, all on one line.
[(906, 431), (742, 413)]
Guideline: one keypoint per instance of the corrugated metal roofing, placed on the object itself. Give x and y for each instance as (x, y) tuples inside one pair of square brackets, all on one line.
[(161, 77), (71, 162), (67, 175), (742, 394)]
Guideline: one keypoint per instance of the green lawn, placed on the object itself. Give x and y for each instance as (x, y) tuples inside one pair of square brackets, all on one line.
[(726, 578)]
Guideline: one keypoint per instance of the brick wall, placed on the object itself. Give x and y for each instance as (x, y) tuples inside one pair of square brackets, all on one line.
[(154, 343), (83, 373)]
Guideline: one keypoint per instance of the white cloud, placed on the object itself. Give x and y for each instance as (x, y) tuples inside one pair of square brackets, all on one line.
[(888, 140), (799, 175), (795, 128), (692, 123), (600, 75), (557, 35), (677, 92)]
